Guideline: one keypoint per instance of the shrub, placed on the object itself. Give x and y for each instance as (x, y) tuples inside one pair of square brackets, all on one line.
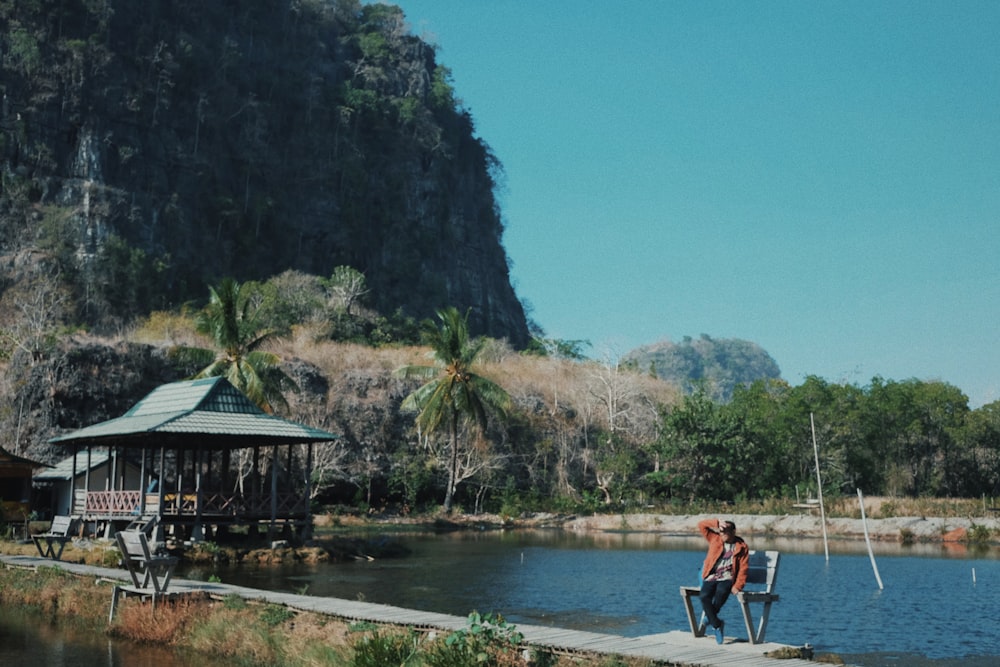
[(378, 650), (233, 602), (979, 534), (273, 615), (488, 640)]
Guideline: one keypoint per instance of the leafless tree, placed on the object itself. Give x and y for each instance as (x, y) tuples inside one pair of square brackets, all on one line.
[(329, 461), (33, 311), (347, 287)]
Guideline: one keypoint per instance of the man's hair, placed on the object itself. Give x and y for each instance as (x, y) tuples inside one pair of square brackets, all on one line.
[(730, 524)]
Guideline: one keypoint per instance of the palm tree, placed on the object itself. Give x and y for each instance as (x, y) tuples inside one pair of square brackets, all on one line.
[(231, 319), (454, 392)]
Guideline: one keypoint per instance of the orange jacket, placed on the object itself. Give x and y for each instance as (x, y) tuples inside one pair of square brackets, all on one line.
[(741, 553)]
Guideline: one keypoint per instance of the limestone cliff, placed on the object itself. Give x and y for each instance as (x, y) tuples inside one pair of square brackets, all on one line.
[(151, 148)]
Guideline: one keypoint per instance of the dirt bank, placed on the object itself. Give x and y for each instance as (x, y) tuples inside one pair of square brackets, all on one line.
[(793, 525)]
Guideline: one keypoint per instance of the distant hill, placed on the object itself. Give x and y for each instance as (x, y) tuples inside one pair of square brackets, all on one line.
[(149, 149), (719, 365)]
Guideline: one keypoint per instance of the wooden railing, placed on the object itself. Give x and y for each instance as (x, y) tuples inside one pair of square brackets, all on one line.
[(126, 503), (112, 503)]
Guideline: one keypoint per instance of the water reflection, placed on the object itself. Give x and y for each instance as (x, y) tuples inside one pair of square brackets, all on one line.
[(627, 583), (31, 639)]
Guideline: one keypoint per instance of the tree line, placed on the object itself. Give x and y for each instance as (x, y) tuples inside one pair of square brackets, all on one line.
[(898, 438), (430, 415), (907, 438), (484, 427), (581, 433)]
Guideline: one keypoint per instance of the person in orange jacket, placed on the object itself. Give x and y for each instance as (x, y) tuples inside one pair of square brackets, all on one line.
[(724, 571)]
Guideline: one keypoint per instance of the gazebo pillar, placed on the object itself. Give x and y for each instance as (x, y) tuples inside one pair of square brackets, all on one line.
[(274, 493), (160, 532), (307, 529), (198, 531), (142, 484), (72, 484)]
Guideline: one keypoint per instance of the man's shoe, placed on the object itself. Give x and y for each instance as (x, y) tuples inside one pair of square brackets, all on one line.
[(720, 637)]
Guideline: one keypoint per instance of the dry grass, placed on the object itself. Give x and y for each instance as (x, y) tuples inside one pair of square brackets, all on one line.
[(885, 507), (554, 381), (168, 623), (167, 329), (846, 507), (53, 591), (236, 632)]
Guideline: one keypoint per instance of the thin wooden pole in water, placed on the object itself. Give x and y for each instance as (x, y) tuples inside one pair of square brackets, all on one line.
[(819, 488), (871, 555)]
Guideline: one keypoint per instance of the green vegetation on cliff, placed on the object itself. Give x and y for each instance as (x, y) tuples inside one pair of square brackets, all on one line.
[(149, 149)]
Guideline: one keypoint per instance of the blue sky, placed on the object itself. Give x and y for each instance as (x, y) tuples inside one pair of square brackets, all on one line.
[(820, 178)]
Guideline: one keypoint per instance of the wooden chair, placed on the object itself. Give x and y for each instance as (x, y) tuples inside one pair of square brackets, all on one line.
[(51, 544), (761, 575), (144, 567)]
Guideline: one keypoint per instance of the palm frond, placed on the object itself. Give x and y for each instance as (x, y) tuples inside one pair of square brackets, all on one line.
[(218, 367)]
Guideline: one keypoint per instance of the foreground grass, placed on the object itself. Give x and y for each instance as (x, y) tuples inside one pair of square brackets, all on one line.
[(258, 635)]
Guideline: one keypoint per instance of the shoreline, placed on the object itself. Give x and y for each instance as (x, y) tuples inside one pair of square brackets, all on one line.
[(897, 529), (347, 541)]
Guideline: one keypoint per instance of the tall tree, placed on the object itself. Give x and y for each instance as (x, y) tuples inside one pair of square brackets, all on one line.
[(231, 319), (706, 452), (454, 392)]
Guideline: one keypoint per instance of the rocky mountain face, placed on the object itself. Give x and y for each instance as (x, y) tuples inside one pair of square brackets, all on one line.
[(151, 148), (84, 381), (714, 365)]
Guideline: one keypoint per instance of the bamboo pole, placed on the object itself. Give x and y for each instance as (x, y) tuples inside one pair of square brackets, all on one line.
[(819, 488), (871, 554)]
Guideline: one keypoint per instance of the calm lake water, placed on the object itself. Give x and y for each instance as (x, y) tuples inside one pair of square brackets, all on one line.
[(628, 584), (938, 606)]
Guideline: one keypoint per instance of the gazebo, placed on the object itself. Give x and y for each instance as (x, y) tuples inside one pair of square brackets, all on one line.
[(184, 436)]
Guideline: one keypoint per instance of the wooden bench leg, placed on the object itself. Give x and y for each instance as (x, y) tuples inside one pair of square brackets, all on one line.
[(697, 627), (44, 546), (114, 602), (756, 635), (762, 628), (748, 620)]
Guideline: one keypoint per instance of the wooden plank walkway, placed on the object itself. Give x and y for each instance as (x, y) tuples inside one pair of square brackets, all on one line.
[(678, 648)]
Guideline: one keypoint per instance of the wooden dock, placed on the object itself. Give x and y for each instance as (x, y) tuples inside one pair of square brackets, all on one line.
[(677, 648)]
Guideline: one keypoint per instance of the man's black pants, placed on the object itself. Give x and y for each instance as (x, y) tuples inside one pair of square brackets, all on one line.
[(713, 595)]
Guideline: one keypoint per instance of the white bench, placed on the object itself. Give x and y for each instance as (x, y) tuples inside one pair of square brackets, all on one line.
[(762, 571), (51, 544)]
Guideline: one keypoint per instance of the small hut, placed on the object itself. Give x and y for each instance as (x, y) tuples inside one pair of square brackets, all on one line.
[(209, 459), (15, 485)]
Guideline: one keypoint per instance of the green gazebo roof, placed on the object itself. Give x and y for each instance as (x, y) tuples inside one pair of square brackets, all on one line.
[(208, 414)]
